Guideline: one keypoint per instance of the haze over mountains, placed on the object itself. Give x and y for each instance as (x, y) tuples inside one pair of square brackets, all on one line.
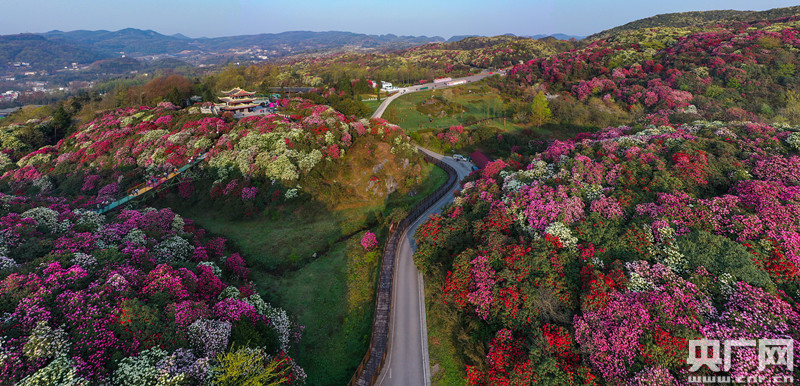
[(56, 49)]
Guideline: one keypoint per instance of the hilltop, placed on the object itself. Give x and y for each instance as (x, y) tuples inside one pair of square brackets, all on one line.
[(696, 19)]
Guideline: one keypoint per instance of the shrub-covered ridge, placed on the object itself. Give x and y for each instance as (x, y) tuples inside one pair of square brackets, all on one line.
[(599, 258)]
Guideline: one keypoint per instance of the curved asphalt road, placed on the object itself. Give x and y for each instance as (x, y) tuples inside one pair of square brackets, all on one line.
[(407, 362), (431, 86)]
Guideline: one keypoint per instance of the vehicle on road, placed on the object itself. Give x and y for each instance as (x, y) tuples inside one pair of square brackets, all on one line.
[(459, 157)]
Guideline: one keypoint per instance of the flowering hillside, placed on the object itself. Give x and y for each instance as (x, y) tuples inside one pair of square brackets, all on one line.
[(743, 71), (425, 62), (137, 297), (122, 148), (596, 260)]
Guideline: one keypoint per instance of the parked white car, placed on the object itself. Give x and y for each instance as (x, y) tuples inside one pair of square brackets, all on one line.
[(459, 157)]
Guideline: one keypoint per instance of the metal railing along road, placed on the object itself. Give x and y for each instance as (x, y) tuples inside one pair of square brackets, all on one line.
[(370, 367)]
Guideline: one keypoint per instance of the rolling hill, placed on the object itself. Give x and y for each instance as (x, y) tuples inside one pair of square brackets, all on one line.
[(51, 53), (699, 18)]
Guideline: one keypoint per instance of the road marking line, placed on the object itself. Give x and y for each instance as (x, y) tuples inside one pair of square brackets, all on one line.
[(423, 331)]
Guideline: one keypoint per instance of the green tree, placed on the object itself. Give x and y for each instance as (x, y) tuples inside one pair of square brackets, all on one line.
[(791, 113), (208, 96), (540, 111), (61, 119), (174, 97)]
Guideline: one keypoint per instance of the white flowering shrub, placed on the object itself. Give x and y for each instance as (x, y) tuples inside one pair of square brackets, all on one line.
[(230, 292), (592, 192), (629, 141), (209, 337), (794, 141), (46, 218), (667, 253), (58, 372), (307, 161), (83, 260), (5, 160), (7, 263), (291, 193), (183, 361), (43, 183), (277, 317), (46, 342), (173, 249), (537, 170), (558, 229), (511, 184), (143, 370), (153, 135), (178, 223), (136, 236), (637, 283), (89, 219)]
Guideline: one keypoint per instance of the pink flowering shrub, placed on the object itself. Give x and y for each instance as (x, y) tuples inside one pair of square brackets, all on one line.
[(369, 241), (249, 193)]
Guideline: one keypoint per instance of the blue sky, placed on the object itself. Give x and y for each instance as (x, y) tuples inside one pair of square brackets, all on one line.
[(444, 18)]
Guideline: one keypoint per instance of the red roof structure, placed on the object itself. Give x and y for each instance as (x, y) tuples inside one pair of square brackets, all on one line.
[(479, 159), (237, 99), (237, 92)]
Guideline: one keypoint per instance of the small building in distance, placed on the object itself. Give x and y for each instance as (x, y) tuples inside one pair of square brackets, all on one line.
[(241, 103), (237, 99), (386, 86)]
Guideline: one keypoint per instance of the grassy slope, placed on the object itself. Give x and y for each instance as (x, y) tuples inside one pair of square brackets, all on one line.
[(478, 100), (373, 105), (333, 294)]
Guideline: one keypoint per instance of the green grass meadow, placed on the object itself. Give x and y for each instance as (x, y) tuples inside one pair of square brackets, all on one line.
[(332, 294)]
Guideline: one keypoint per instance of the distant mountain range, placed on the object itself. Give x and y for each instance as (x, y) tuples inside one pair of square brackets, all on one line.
[(56, 49), (30, 48), (135, 42), (558, 36)]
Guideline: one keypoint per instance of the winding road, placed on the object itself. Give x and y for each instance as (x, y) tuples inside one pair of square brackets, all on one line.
[(407, 362), (430, 86)]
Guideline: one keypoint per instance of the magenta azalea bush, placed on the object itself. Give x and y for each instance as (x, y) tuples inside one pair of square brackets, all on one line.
[(369, 241)]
